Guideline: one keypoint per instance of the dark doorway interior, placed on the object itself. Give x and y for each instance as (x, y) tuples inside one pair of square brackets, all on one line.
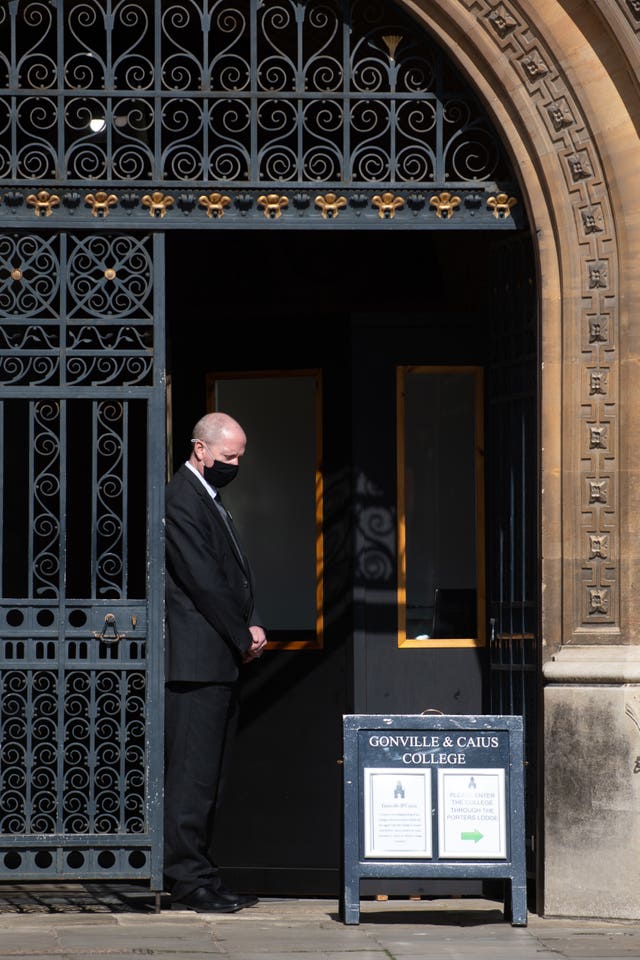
[(353, 305), (259, 300)]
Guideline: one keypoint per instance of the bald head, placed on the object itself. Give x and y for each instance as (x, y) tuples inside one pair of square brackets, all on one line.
[(214, 427), (217, 438)]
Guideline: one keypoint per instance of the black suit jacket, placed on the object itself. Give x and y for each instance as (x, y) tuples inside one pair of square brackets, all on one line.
[(209, 587)]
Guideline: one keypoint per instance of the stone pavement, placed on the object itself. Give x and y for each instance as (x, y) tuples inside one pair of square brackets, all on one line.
[(82, 922)]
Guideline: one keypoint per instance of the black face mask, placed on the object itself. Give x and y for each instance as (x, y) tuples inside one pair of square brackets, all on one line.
[(220, 474)]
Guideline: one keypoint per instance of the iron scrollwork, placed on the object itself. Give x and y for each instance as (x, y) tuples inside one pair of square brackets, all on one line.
[(165, 96)]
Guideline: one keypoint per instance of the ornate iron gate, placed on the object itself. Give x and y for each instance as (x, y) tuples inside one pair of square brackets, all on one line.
[(513, 575), (81, 440)]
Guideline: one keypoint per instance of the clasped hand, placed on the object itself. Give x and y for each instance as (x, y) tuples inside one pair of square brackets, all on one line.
[(258, 643)]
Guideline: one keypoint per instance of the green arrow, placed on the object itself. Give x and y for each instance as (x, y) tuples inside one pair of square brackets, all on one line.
[(472, 835)]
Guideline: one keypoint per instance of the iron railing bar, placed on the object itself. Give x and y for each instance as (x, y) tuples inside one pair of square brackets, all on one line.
[(124, 589), (523, 556), (95, 439), (2, 493), (63, 94), (31, 509), (61, 673), (129, 841), (346, 93), (253, 113), (64, 471), (29, 714), (123, 680), (92, 753)]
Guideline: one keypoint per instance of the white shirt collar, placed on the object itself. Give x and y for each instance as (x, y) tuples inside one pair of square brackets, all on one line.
[(213, 493)]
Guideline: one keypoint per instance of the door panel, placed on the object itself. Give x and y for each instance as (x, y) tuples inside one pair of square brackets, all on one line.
[(406, 678)]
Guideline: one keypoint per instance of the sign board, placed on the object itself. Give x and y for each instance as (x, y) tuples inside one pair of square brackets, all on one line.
[(472, 820), (434, 796), (397, 813)]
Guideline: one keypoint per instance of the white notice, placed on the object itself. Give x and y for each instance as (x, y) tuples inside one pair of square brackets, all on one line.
[(397, 813), (471, 814)]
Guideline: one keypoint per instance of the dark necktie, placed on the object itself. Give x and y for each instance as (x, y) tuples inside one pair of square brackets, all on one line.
[(226, 516)]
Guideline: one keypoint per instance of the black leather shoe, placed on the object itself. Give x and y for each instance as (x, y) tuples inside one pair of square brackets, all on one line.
[(239, 899), (205, 900)]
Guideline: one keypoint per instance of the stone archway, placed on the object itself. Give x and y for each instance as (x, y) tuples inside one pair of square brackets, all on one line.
[(551, 75)]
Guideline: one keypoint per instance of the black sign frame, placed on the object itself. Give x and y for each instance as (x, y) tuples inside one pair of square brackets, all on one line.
[(434, 750)]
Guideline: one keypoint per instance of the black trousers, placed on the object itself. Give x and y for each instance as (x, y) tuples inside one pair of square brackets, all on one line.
[(200, 726)]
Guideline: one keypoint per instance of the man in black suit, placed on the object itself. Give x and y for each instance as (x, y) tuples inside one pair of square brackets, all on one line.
[(211, 630)]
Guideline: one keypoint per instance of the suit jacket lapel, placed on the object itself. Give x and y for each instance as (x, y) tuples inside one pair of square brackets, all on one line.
[(220, 513)]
